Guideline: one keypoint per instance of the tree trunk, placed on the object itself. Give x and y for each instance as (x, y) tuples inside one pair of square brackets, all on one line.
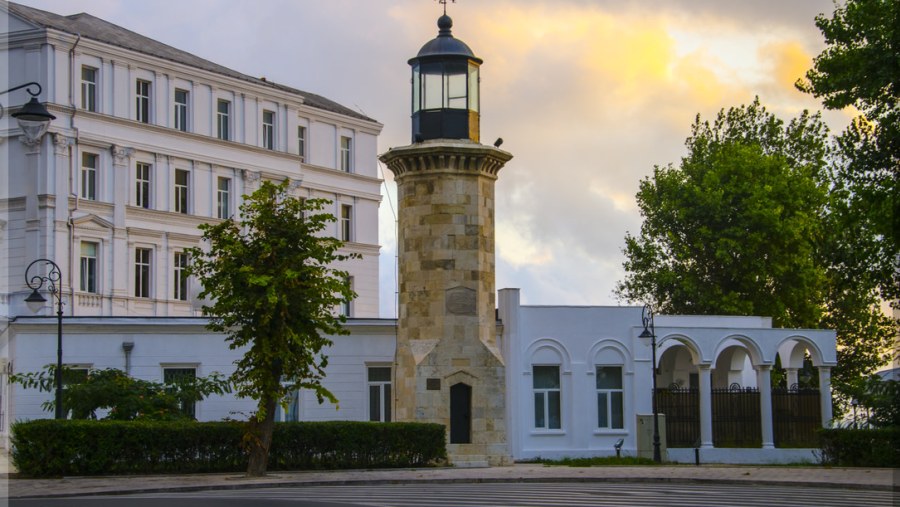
[(260, 439)]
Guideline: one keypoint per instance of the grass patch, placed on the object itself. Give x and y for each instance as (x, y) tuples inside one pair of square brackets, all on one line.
[(599, 461)]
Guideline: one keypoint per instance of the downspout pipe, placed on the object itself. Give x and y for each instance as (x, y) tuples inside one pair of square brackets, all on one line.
[(70, 224)]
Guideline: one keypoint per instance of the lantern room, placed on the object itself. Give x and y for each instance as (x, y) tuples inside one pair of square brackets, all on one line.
[(445, 88)]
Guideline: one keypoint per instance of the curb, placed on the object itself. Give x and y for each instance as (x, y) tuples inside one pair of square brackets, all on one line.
[(485, 480)]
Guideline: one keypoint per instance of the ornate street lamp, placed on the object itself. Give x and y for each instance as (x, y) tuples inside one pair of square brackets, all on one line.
[(650, 332), (33, 117), (35, 282)]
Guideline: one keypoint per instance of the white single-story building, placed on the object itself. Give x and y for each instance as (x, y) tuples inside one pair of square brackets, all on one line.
[(578, 378)]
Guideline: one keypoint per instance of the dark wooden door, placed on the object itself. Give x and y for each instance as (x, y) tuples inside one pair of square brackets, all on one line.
[(460, 414)]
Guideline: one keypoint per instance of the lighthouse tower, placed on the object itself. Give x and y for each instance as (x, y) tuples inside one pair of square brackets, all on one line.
[(448, 367)]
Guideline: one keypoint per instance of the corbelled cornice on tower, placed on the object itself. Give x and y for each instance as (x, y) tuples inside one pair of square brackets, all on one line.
[(444, 155)]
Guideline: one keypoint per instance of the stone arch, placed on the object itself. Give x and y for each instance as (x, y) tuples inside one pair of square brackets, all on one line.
[(752, 348), (733, 366), (676, 366), (791, 351), (547, 351), (674, 340), (611, 351)]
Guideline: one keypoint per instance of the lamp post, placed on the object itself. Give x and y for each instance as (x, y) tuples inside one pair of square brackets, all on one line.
[(35, 282), (33, 118), (650, 332)]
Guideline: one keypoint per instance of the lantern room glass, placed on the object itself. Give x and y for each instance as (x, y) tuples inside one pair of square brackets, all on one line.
[(445, 85)]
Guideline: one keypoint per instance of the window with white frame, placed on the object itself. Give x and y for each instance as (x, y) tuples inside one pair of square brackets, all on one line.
[(547, 405), (379, 381), (268, 130), (142, 259), (142, 101), (88, 281), (182, 191), (223, 119), (89, 176), (346, 222), (180, 374), (301, 142), (346, 154), (142, 185), (610, 398), (346, 304), (180, 276), (88, 88), (290, 413), (181, 110), (223, 197)]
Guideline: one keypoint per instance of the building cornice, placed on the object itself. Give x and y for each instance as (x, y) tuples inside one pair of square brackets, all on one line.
[(106, 51)]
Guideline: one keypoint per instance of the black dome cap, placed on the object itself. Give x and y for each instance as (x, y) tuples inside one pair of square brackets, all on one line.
[(445, 44)]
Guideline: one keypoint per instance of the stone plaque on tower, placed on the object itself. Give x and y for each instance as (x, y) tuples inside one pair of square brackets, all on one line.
[(448, 367)]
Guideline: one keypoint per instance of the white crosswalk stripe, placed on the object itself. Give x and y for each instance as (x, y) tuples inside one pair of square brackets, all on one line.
[(573, 494)]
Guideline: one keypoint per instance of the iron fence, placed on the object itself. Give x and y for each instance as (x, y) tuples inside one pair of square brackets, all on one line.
[(736, 417), (796, 417), (682, 409)]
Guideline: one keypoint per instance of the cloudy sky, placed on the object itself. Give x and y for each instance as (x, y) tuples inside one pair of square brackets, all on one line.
[(588, 95)]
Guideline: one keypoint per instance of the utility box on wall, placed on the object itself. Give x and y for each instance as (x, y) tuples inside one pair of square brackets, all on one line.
[(645, 436)]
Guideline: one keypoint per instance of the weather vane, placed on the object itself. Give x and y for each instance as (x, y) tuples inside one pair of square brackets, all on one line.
[(444, 3)]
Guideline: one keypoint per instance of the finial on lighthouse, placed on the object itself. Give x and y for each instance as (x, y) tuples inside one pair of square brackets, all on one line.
[(444, 3)]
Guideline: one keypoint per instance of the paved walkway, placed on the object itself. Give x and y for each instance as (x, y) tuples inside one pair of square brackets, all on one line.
[(857, 478)]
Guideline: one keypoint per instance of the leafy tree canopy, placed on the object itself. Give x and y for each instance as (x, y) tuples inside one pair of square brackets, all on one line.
[(732, 230), (274, 292), (745, 225), (860, 68)]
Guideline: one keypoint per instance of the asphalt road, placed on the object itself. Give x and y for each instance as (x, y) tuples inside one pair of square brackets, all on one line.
[(569, 494)]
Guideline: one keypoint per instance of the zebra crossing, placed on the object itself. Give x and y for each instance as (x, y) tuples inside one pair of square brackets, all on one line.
[(568, 494)]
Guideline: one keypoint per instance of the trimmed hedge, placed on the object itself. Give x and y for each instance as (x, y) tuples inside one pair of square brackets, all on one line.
[(47, 447), (861, 448)]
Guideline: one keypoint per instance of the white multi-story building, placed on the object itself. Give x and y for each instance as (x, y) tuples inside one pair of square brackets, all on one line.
[(150, 142)]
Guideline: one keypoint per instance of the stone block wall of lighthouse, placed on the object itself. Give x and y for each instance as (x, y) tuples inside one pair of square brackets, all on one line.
[(447, 324)]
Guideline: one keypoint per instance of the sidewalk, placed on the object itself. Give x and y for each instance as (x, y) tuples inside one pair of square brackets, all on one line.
[(851, 478)]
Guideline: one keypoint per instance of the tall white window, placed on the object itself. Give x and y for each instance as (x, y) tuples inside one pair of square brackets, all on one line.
[(292, 414), (88, 88), (142, 185), (346, 222), (175, 374), (223, 119), (301, 142), (89, 176), (347, 305), (379, 380), (88, 282), (142, 272), (182, 191), (181, 110), (546, 397), (223, 198), (610, 404), (346, 154), (268, 130), (180, 276), (142, 101)]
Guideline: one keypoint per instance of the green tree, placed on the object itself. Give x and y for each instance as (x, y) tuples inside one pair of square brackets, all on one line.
[(744, 226), (124, 397), (860, 68), (274, 292)]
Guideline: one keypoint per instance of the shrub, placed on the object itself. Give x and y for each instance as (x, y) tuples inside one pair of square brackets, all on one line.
[(861, 447), (48, 447)]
